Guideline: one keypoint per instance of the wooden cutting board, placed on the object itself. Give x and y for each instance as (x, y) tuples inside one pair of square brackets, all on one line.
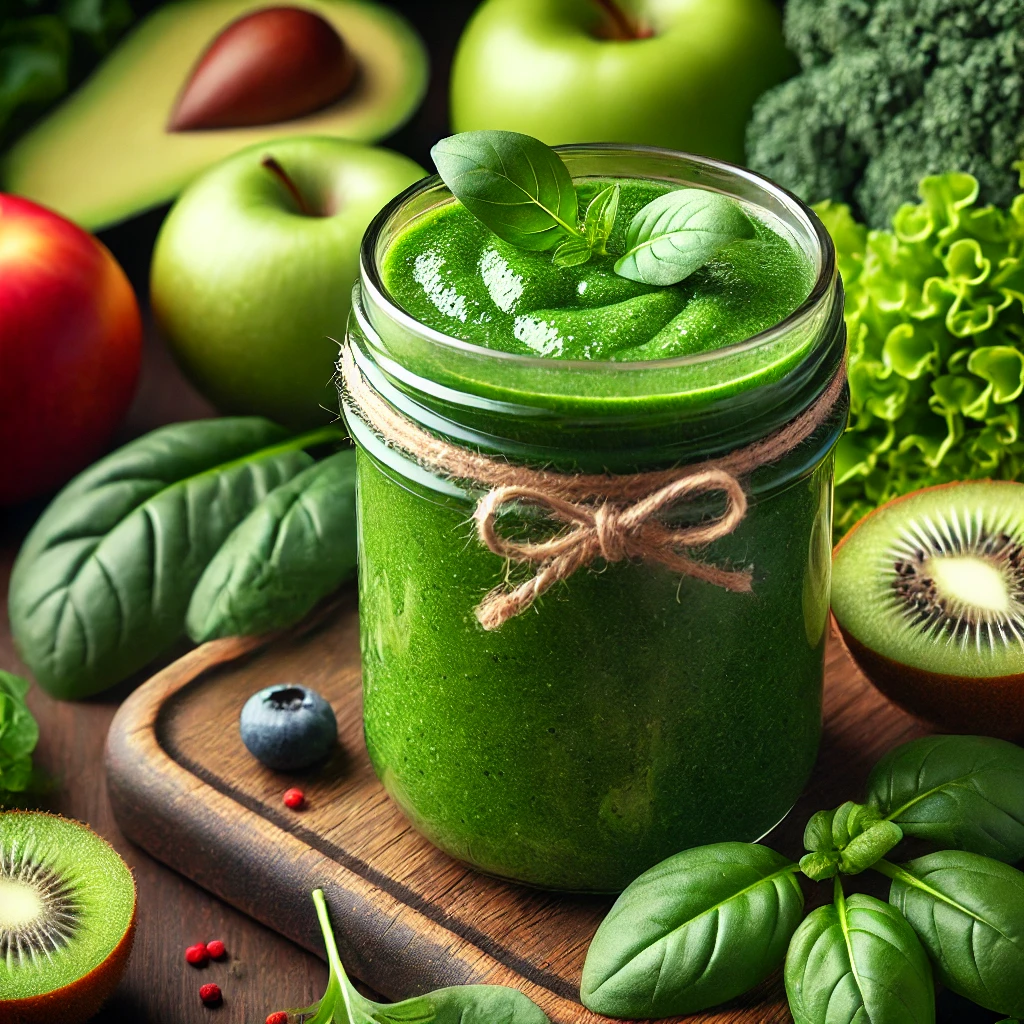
[(408, 917)]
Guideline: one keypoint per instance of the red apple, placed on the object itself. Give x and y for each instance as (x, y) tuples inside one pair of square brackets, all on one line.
[(70, 345)]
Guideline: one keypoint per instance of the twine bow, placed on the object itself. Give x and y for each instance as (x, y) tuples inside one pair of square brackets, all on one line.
[(605, 516), (610, 531)]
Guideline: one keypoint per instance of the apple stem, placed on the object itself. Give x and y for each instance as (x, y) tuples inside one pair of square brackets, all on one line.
[(622, 25), (282, 176)]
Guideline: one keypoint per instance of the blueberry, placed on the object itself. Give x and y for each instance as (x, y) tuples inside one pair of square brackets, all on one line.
[(288, 727)]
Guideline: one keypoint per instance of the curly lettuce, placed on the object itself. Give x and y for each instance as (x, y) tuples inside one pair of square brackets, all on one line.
[(935, 316), (19, 735)]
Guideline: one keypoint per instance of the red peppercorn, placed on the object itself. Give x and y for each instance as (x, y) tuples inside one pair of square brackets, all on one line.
[(294, 798), (216, 949), (198, 955), (211, 995), (278, 1018)]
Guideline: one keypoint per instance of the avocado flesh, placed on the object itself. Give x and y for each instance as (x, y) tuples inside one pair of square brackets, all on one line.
[(105, 154)]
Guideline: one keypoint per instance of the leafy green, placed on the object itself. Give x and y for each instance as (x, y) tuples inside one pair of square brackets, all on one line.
[(462, 1004), (677, 233), (695, 930), (968, 911), (964, 792), (514, 184), (47, 47), (19, 734), (858, 961), (104, 579), (598, 222), (599, 219), (296, 546), (890, 92), (849, 839), (935, 318)]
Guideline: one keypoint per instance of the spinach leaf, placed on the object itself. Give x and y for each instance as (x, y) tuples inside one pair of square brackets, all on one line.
[(514, 184), (858, 961), (103, 581), (468, 1004), (968, 911), (294, 548), (693, 931), (964, 792), (678, 233), (463, 1004), (19, 734)]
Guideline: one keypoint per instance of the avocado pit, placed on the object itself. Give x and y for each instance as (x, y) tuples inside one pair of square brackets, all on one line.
[(273, 65)]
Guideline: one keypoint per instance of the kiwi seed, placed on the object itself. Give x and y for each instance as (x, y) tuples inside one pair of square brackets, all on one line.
[(40, 912), (959, 580)]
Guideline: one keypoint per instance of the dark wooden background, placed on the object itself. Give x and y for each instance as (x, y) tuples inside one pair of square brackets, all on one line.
[(264, 972)]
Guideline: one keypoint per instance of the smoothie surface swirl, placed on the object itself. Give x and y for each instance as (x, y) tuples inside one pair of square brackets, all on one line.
[(451, 273)]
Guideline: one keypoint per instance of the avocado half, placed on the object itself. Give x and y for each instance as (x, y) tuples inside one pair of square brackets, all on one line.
[(106, 155)]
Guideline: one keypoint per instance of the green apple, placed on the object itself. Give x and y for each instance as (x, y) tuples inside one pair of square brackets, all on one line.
[(682, 74), (253, 271)]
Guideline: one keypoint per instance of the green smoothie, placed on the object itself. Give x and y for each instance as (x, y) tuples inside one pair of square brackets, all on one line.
[(453, 274), (630, 713)]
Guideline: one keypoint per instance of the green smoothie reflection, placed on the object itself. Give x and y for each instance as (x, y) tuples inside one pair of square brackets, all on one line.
[(630, 713)]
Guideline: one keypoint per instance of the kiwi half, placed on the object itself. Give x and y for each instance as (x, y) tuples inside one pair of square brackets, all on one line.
[(67, 919), (928, 593)]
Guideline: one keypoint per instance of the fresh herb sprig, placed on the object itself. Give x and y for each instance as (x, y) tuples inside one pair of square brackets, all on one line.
[(522, 191), (19, 734), (460, 1004), (708, 924)]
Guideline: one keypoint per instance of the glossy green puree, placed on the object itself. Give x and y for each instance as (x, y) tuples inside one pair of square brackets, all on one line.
[(630, 713), (453, 274)]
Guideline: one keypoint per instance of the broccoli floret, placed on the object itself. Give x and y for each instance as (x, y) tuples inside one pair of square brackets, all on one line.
[(891, 91)]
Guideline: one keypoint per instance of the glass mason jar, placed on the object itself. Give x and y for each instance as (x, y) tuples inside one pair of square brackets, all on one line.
[(630, 713)]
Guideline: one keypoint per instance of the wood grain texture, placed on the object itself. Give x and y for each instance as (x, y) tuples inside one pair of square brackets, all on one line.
[(409, 917)]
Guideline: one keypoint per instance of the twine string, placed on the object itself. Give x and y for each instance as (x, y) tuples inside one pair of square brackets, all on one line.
[(608, 516)]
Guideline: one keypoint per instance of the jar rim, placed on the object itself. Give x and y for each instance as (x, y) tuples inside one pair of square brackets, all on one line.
[(825, 271)]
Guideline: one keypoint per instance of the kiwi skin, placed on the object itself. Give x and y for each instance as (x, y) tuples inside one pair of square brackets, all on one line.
[(990, 705), (81, 1000)]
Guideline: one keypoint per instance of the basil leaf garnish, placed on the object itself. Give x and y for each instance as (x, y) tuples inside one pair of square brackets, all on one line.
[(573, 252), (858, 960), (514, 184), (968, 910), (296, 547), (599, 219), (103, 581), (678, 233), (658, 953), (964, 792)]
